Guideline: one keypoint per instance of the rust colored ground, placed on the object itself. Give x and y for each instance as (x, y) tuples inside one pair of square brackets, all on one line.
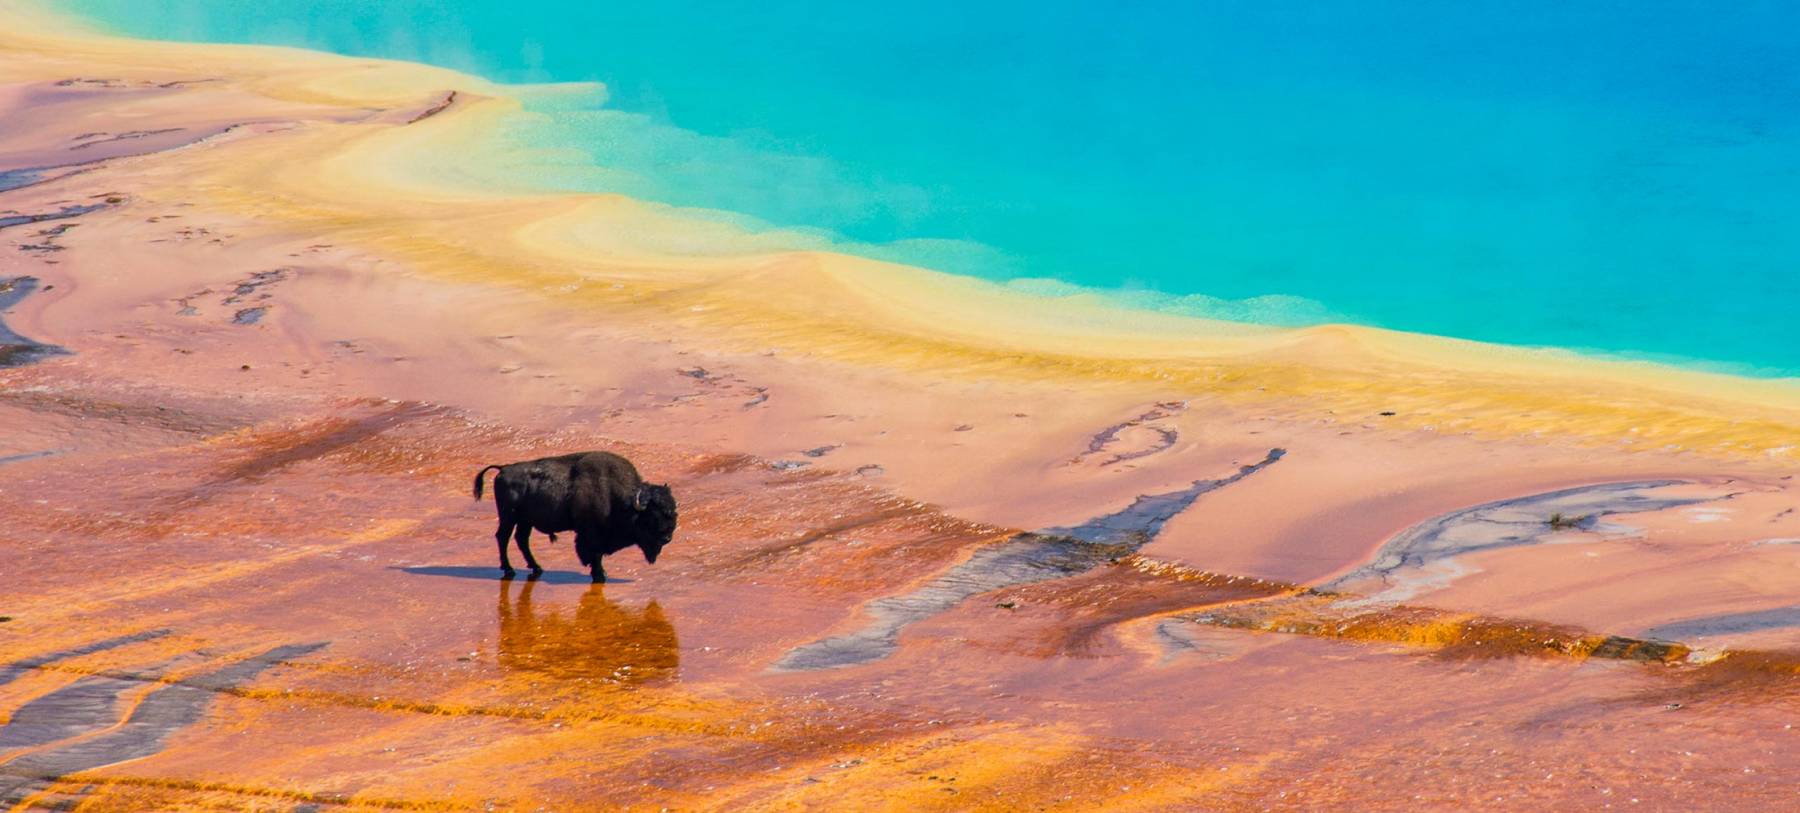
[(439, 686)]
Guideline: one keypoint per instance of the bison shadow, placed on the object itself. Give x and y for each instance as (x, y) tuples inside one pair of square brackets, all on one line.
[(599, 640), (494, 574)]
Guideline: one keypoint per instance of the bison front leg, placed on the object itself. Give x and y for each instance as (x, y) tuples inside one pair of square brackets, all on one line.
[(501, 536), (584, 550), (523, 537)]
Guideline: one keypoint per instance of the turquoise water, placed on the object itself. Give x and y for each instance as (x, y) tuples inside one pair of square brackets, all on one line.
[(1617, 177)]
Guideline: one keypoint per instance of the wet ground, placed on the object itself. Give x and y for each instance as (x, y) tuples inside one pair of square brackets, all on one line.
[(16, 350), (313, 596)]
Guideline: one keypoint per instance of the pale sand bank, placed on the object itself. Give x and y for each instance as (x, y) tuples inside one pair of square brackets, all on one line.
[(395, 189)]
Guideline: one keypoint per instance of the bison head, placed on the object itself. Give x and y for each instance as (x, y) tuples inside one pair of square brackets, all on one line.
[(655, 518)]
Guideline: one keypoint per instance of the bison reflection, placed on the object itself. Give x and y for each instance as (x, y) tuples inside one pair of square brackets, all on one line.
[(599, 641)]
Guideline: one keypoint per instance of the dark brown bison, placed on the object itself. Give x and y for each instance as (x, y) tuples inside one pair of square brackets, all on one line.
[(598, 495)]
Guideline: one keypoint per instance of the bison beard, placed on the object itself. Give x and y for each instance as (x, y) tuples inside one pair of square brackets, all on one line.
[(598, 495)]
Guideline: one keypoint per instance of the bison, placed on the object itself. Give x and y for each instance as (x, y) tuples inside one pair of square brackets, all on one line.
[(598, 495)]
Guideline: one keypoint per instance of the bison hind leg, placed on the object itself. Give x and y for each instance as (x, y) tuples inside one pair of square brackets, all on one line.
[(523, 538), (502, 536)]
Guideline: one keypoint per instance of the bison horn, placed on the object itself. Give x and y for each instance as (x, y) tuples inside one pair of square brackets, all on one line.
[(637, 500)]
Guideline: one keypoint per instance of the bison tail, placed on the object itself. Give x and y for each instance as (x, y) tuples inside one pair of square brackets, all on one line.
[(478, 476)]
